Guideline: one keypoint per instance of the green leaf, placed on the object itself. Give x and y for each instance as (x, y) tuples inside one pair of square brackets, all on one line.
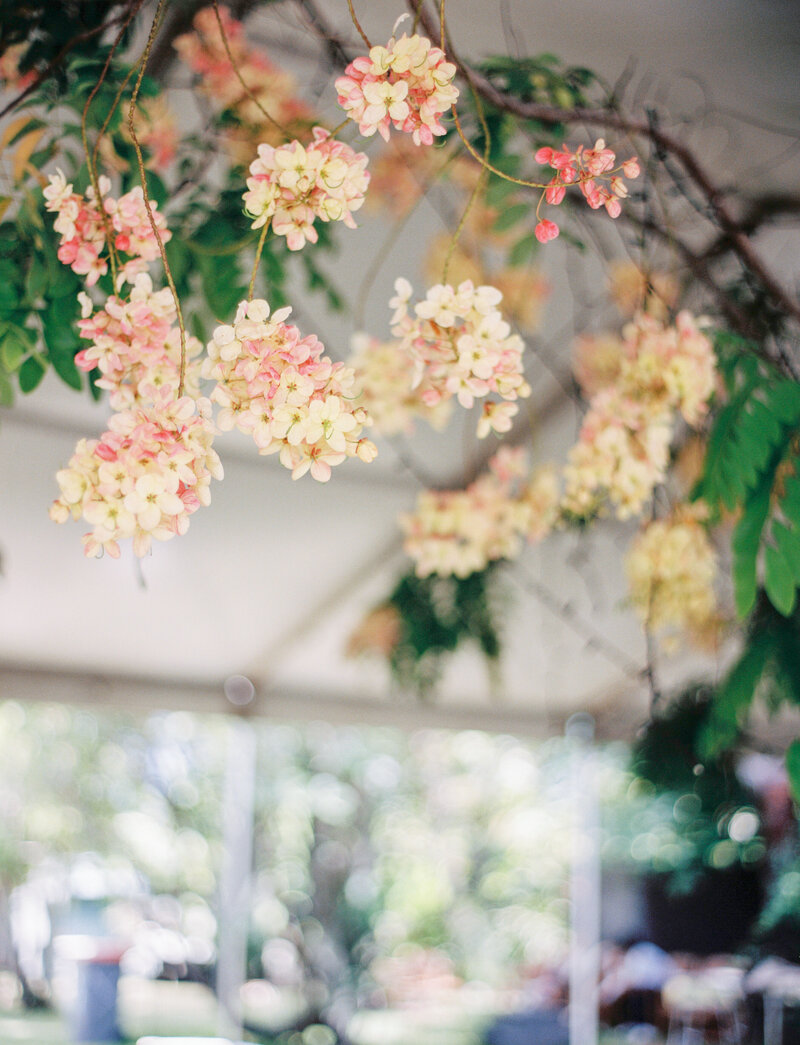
[(793, 768), (511, 216), (788, 543), (6, 391), (784, 401), (13, 350), (37, 278), (9, 294), (30, 374), (746, 540), (735, 696), (522, 251), (779, 581), (157, 190)]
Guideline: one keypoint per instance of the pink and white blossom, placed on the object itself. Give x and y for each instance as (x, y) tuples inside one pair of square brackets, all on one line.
[(292, 186), (460, 346), (406, 85), (459, 532), (277, 386), (143, 478)]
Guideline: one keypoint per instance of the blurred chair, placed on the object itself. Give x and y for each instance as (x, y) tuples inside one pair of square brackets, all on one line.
[(778, 983), (704, 1000)]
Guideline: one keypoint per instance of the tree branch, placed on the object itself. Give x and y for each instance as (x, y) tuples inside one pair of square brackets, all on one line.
[(616, 120)]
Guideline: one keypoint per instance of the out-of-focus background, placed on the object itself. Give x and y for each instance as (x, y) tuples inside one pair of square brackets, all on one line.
[(336, 861)]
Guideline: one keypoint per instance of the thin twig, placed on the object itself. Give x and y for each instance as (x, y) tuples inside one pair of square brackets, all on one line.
[(146, 195), (616, 120)]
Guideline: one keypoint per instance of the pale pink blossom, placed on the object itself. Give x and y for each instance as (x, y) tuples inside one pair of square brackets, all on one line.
[(671, 569), (277, 386), (460, 532), (80, 224), (142, 478), (136, 345), (460, 346), (293, 185), (406, 85), (271, 89)]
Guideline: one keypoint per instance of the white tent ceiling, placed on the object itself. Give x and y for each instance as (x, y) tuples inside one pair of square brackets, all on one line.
[(271, 579)]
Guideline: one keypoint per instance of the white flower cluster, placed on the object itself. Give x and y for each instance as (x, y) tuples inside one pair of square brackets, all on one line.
[(279, 387), (142, 478), (292, 186), (459, 532), (671, 569), (382, 377), (461, 346)]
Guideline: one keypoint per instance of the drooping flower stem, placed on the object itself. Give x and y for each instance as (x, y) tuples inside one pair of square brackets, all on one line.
[(143, 176), (91, 157), (357, 24), (479, 185), (259, 250), (223, 34)]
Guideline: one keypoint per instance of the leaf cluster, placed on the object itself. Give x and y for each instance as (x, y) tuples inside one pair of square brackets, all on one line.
[(669, 753), (51, 29), (752, 466), (437, 615)]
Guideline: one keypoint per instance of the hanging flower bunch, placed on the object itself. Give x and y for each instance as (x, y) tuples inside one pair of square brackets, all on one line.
[(382, 377), (136, 345), (143, 477), (459, 532), (594, 171), (80, 224), (461, 345), (152, 468), (621, 455), (278, 387), (669, 366), (671, 569), (292, 186), (622, 452), (406, 85)]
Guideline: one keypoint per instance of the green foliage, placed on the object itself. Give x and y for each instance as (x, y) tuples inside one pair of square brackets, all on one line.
[(673, 755), (769, 666), (753, 464), (437, 615), (50, 29)]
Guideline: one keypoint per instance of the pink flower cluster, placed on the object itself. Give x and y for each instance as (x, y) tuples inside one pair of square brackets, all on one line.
[(136, 345), (406, 85), (274, 89), (461, 346), (292, 186), (594, 171), (153, 467), (142, 478), (672, 366), (80, 224), (622, 452), (382, 378), (279, 387), (459, 532)]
